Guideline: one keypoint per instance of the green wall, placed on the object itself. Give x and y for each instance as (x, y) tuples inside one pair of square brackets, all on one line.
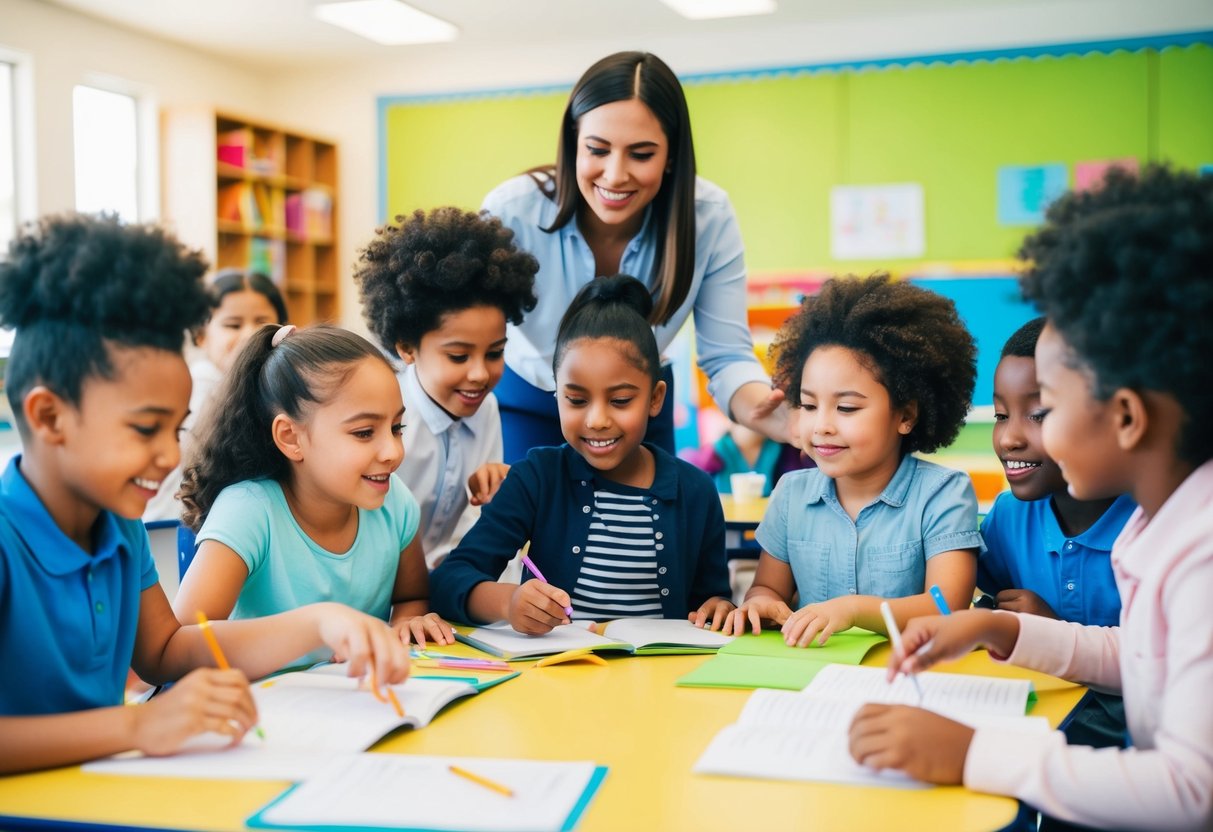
[(778, 142)]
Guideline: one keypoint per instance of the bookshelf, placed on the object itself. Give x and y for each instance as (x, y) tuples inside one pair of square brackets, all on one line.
[(255, 196)]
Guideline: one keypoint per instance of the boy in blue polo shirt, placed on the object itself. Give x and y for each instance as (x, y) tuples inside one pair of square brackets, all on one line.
[(99, 389), (1048, 553)]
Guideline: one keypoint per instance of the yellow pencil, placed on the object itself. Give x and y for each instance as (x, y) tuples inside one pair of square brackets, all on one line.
[(220, 659), (482, 781)]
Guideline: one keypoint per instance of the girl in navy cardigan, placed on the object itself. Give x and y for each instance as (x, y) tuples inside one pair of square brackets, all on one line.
[(619, 527)]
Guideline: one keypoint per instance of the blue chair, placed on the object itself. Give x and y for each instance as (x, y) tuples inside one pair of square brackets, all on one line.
[(186, 547)]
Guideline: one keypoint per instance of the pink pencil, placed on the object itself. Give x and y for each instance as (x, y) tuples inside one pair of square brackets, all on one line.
[(530, 564)]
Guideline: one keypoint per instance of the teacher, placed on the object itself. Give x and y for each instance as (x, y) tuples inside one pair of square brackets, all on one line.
[(623, 197)]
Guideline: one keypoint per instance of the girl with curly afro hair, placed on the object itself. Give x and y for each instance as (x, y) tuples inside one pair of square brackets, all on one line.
[(1124, 276), (437, 292), (878, 369), (99, 389)]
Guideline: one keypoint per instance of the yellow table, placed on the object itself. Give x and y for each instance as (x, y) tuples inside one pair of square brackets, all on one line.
[(627, 715)]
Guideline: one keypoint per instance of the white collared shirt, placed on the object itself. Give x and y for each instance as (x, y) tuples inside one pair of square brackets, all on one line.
[(440, 453)]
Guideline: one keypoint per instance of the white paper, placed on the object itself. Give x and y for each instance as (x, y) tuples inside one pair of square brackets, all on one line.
[(503, 640), (643, 632), (395, 790), (952, 694), (876, 221)]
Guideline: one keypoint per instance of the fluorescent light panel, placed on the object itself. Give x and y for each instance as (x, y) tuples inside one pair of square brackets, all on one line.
[(389, 22), (708, 9)]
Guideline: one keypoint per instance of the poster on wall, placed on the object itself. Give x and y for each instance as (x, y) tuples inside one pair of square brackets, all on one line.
[(874, 221), (1025, 191), (1088, 175)]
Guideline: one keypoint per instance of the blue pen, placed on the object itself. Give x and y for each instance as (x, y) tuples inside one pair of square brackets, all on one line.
[(940, 602)]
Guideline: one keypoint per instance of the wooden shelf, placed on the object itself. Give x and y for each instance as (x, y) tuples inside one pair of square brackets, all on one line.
[(256, 196)]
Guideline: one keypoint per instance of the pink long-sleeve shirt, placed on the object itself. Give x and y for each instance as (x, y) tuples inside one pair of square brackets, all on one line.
[(1160, 657)]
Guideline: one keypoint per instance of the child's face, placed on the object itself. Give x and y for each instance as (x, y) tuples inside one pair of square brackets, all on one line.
[(460, 362), (847, 422), (605, 404), (622, 152), (121, 442), (237, 317), (349, 445), (1031, 473), (1079, 431)]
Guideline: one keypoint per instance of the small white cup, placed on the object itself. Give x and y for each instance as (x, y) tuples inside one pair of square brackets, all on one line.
[(747, 485)]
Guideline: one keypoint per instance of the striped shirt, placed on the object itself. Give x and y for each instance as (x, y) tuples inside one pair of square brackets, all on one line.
[(618, 575)]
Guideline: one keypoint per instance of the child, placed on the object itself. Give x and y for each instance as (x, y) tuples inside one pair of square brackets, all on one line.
[(244, 302), (437, 291), (1073, 581), (620, 528), (742, 450), (98, 387), (291, 488), (1123, 276), (879, 370)]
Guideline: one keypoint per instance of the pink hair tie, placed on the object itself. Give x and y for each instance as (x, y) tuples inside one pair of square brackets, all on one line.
[(282, 332)]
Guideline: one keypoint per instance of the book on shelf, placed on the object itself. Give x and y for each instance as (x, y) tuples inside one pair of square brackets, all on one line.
[(396, 791), (638, 636), (268, 257), (234, 147), (307, 717), (781, 735)]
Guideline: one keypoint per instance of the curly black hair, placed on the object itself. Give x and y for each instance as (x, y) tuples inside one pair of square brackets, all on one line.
[(1022, 343), (426, 266), (75, 285), (1125, 274), (909, 337)]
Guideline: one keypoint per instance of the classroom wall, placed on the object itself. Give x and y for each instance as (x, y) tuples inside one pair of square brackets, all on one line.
[(69, 49)]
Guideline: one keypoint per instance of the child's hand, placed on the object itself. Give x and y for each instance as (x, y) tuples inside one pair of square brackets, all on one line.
[(818, 620), (755, 611), (366, 643), (485, 480), (923, 744), (936, 638), (415, 629), (536, 607), (204, 700), (1024, 600), (713, 614)]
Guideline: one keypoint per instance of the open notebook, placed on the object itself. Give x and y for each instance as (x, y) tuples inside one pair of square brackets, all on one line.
[(782, 735), (308, 718), (395, 791), (641, 636)]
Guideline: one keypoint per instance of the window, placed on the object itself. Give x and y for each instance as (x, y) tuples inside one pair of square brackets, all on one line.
[(8, 154), (106, 133)]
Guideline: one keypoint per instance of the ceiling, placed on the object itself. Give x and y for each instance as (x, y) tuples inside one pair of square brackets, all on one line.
[(282, 33)]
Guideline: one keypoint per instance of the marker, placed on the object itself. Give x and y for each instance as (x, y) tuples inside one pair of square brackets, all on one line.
[(890, 623), (940, 601), (220, 659), (530, 564), (482, 781)]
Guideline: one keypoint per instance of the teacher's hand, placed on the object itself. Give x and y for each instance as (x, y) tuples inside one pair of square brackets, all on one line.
[(763, 409)]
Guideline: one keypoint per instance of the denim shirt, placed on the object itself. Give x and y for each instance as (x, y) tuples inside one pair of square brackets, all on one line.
[(548, 499), (925, 509)]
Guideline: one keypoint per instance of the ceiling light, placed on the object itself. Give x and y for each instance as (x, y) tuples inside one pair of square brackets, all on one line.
[(705, 9), (389, 22)]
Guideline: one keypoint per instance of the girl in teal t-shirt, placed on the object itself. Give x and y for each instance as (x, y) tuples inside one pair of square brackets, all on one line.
[(292, 492)]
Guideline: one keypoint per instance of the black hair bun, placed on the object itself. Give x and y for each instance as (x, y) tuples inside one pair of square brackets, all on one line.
[(622, 289)]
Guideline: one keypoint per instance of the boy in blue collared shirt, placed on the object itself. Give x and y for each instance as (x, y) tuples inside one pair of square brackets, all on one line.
[(1046, 552), (99, 390)]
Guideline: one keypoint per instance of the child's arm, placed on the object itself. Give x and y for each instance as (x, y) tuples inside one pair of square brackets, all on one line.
[(165, 650), (767, 599), (1024, 600), (212, 584), (217, 701), (411, 617), (533, 608), (485, 481), (951, 571)]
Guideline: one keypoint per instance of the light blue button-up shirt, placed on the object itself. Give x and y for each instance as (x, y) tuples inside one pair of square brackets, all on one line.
[(724, 346), (924, 510)]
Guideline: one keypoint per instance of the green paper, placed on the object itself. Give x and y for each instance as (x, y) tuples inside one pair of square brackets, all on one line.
[(846, 647), (727, 671)]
